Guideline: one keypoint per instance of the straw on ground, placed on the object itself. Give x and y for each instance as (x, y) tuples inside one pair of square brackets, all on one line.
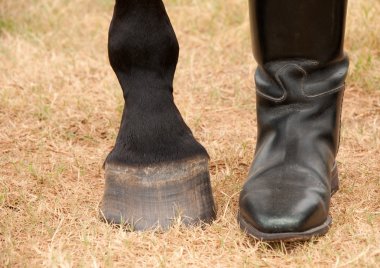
[(60, 106)]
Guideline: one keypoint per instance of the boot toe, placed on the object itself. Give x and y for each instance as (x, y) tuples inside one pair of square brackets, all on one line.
[(283, 212)]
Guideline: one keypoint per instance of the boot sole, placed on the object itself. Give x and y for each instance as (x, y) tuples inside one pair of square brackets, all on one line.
[(293, 236), (156, 197)]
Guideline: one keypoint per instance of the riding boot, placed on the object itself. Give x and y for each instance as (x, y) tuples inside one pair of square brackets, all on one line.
[(298, 46)]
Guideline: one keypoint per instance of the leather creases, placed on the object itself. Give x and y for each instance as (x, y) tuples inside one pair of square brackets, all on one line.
[(303, 78)]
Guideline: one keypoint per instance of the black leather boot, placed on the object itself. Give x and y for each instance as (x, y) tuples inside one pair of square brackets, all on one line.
[(300, 82)]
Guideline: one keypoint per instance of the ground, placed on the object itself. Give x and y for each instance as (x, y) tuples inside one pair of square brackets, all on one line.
[(60, 106)]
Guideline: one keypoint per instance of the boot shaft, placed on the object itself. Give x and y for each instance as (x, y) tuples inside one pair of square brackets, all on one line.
[(303, 29)]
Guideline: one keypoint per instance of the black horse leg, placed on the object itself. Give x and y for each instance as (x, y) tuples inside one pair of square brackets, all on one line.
[(156, 171)]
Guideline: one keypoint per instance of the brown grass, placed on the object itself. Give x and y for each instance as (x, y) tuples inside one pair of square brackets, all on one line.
[(60, 106)]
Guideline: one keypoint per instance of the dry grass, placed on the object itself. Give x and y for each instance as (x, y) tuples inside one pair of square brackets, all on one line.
[(60, 106)]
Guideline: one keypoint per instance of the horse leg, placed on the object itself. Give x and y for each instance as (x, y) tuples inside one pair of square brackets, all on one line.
[(156, 171)]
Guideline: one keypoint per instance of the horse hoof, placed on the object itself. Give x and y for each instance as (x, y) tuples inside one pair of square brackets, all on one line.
[(156, 196)]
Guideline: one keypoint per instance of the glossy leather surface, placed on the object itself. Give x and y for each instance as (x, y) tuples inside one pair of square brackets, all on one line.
[(298, 112), (312, 29)]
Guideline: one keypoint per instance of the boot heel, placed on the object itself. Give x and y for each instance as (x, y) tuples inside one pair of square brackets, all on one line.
[(334, 180)]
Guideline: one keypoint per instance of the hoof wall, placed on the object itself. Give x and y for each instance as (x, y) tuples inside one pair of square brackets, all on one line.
[(157, 196)]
